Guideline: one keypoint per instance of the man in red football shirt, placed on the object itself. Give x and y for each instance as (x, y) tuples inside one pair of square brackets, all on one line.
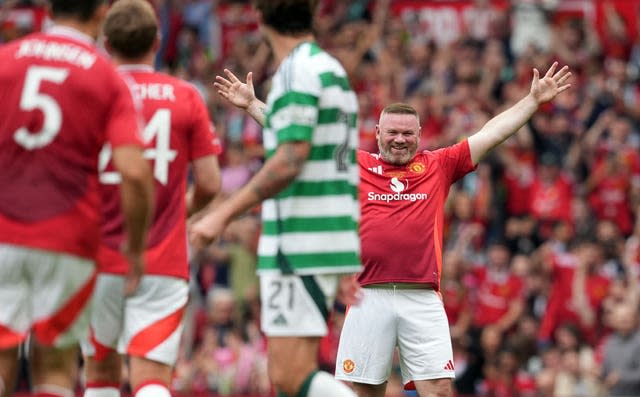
[(499, 294), (550, 196), (402, 195), (577, 278), (57, 118), (147, 324)]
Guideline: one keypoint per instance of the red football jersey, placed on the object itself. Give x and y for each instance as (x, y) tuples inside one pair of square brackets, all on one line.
[(610, 199), (403, 214), (560, 307), (518, 181), (178, 131), (57, 116), (494, 294), (551, 202)]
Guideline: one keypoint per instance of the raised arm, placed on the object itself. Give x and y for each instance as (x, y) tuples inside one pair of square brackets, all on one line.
[(241, 95), (275, 175), (351, 59), (507, 123)]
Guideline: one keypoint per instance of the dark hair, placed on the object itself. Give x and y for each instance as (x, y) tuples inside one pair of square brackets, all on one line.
[(131, 28), (81, 9), (289, 17)]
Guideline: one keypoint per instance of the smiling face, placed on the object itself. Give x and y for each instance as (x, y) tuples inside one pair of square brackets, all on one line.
[(398, 136)]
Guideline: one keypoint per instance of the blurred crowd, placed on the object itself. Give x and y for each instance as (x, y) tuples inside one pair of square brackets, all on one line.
[(542, 248)]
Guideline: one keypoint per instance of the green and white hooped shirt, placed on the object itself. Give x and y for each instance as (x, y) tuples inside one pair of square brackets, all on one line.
[(314, 221)]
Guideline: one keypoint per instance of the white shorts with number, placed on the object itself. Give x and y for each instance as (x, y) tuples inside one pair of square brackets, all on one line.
[(147, 324), (294, 305), (46, 293), (414, 320)]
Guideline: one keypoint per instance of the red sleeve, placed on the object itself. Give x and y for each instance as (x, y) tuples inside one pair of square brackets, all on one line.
[(455, 161), (204, 139), (124, 123), (517, 288)]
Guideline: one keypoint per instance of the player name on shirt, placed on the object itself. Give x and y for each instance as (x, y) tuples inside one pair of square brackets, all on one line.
[(154, 91), (56, 51)]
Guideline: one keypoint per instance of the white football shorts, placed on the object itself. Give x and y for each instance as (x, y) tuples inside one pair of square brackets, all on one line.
[(388, 316), (147, 324), (45, 292), (296, 305)]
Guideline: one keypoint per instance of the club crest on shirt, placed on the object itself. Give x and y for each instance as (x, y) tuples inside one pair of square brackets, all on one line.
[(417, 168), (348, 366)]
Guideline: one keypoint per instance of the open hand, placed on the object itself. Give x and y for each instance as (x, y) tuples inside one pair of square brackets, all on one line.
[(235, 91), (546, 88)]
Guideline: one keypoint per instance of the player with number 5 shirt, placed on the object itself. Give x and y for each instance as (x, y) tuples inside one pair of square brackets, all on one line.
[(57, 115)]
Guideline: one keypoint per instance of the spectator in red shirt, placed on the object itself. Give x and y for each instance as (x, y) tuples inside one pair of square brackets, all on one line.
[(577, 291), (499, 297), (609, 187), (519, 161), (505, 378), (551, 195), (616, 36)]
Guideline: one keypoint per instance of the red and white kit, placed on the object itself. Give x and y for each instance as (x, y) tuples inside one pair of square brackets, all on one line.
[(50, 138), (403, 214), (177, 131), (401, 230)]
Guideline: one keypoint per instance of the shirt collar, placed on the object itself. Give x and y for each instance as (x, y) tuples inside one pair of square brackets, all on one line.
[(140, 67), (72, 33)]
